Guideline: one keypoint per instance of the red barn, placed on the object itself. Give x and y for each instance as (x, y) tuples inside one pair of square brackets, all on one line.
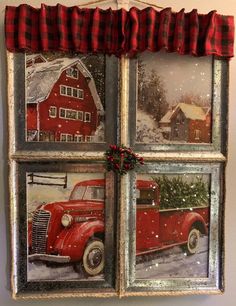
[(62, 102), (188, 123)]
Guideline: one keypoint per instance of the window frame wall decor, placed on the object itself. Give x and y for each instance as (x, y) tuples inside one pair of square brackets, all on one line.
[(113, 159)]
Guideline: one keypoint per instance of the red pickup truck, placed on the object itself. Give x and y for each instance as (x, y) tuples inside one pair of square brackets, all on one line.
[(73, 231)]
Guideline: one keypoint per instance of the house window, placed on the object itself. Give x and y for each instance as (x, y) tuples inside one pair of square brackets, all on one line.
[(87, 117), (71, 92), (197, 134), (62, 113), (72, 73), (88, 138), (75, 93), (52, 111), (66, 137), (62, 90), (80, 115), (80, 94), (78, 138), (71, 114)]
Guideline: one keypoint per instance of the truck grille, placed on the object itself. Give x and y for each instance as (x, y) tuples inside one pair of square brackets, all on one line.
[(39, 231)]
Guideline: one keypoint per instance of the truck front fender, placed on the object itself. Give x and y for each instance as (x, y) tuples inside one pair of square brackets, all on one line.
[(195, 220), (72, 241)]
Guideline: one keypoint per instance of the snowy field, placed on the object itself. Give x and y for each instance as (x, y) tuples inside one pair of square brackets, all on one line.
[(174, 263), (56, 273), (169, 263)]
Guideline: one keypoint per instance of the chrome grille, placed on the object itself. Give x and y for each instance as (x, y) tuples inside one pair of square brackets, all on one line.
[(39, 231)]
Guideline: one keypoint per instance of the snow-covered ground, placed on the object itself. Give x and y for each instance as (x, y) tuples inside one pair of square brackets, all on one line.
[(166, 264), (174, 263), (147, 129), (40, 271)]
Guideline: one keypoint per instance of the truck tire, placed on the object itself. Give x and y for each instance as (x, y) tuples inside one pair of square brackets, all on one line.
[(93, 258), (193, 241)]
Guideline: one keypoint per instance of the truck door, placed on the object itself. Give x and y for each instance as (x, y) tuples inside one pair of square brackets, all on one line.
[(147, 220)]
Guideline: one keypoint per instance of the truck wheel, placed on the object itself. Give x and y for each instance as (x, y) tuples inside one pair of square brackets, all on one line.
[(193, 241), (93, 258)]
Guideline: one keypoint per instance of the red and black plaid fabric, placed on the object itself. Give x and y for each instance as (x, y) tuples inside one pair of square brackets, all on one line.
[(117, 31)]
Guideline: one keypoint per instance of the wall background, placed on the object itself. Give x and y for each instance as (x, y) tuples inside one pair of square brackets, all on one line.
[(229, 297)]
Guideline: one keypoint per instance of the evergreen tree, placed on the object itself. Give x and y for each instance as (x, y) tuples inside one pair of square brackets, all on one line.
[(151, 93), (177, 193)]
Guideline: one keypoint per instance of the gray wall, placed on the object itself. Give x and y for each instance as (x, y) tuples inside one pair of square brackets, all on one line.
[(229, 297)]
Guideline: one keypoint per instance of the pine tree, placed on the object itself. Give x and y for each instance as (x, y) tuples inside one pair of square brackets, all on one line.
[(177, 193)]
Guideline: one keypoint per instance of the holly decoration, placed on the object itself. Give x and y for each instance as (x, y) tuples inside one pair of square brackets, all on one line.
[(121, 159)]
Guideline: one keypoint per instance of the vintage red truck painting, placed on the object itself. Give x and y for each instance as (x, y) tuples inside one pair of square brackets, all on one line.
[(62, 102), (73, 231)]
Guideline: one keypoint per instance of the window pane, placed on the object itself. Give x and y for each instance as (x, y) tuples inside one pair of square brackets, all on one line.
[(50, 197), (174, 98), (81, 77), (172, 219)]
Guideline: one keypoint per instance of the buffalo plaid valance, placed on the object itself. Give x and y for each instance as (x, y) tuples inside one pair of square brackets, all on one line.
[(117, 31)]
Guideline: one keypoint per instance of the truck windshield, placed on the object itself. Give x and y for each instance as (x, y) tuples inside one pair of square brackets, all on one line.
[(145, 196), (88, 193)]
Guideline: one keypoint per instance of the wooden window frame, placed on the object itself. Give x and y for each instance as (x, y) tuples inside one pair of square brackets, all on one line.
[(120, 279)]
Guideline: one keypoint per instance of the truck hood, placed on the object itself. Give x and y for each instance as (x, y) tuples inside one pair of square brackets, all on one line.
[(74, 206)]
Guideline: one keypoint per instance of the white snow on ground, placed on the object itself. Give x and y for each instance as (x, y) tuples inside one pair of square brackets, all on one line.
[(40, 271), (175, 263), (172, 263), (147, 129)]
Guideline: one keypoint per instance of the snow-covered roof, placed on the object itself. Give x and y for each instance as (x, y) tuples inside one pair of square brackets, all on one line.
[(166, 118), (41, 77), (190, 111), (34, 56)]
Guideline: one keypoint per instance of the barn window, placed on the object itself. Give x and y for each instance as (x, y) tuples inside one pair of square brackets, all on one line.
[(62, 90), (75, 93), (69, 91), (80, 94), (52, 111), (80, 115), (62, 112), (72, 73), (78, 138), (197, 134), (66, 137), (71, 114), (87, 117), (88, 138)]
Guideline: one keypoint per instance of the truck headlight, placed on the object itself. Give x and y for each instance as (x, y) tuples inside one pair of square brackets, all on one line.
[(66, 220)]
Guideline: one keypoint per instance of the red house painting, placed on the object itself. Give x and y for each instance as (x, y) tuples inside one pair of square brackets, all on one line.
[(62, 102), (188, 123)]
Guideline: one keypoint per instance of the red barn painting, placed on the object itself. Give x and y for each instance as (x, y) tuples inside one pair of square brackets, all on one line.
[(62, 101), (188, 123)]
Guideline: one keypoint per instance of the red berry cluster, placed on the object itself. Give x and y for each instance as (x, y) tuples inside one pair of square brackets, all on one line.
[(121, 159)]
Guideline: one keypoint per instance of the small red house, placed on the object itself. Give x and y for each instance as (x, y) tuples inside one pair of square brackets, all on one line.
[(187, 122), (62, 101)]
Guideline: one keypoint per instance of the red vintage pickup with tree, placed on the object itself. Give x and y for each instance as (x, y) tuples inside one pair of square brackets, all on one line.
[(73, 231)]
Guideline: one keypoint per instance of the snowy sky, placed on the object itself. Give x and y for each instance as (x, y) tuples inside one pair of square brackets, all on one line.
[(181, 74)]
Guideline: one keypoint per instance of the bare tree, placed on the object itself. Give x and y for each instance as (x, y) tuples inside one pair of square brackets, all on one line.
[(191, 98)]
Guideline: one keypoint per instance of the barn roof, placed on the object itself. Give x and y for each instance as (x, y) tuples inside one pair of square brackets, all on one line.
[(190, 111), (34, 56), (166, 118), (41, 77)]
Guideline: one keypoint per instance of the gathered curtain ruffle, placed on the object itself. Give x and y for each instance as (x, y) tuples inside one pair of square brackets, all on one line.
[(61, 28)]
